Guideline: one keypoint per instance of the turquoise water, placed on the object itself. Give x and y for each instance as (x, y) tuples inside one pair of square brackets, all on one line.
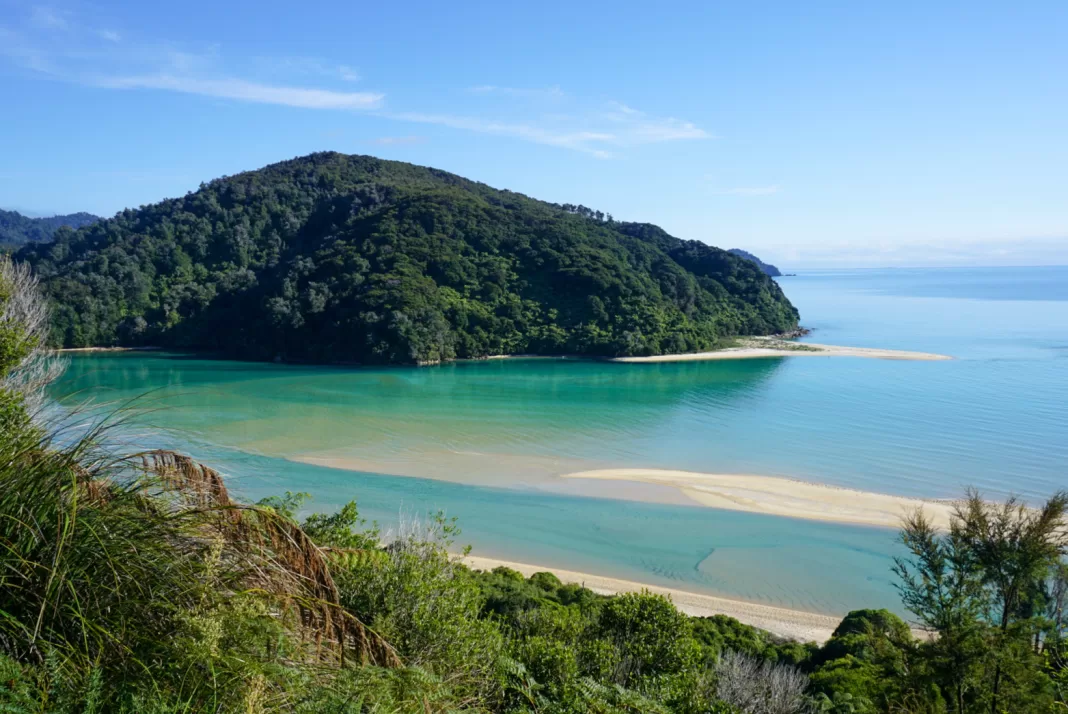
[(494, 436)]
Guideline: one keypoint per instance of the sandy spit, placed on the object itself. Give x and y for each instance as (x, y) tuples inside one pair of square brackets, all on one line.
[(783, 497), (793, 624), (72, 350), (760, 347)]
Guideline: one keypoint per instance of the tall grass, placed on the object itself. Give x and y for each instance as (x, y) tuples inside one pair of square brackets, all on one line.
[(108, 563), (123, 577)]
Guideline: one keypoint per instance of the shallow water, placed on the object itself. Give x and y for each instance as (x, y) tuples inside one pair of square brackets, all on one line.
[(994, 417)]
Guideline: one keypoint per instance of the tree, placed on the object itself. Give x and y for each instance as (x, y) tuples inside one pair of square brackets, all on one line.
[(976, 588), (756, 686), (870, 657), (941, 586), (1014, 548), (26, 366), (651, 636)]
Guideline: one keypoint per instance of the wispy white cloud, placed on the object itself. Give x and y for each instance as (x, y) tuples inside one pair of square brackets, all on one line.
[(142, 176), (601, 130), (623, 109), (24, 54), (97, 58), (652, 130), (170, 59), (553, 92), (81, 50), (308, 66), (239, 89), (584, 141), (649, 129), (750, 191), (48, 18), (398, 140)]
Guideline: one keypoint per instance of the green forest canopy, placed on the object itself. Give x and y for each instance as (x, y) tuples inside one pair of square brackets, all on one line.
[(332, 257)]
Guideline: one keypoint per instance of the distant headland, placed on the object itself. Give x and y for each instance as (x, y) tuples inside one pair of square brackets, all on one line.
[(768, 269)]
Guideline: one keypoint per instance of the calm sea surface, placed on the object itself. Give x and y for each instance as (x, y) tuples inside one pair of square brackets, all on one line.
[(487, 441)]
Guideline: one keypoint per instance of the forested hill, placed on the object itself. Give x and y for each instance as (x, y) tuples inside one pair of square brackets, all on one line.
[(768, 268), (350, 258), (17, 229)]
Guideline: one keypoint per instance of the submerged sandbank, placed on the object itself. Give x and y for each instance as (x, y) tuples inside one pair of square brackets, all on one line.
[(768, 495), (782, 497), (763, 347), (794, 624)]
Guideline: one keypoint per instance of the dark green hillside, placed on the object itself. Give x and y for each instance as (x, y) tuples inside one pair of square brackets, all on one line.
[(349, 258), (17, 229)]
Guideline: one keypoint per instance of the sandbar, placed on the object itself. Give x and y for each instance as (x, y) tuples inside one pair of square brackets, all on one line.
[(791, 624), (776, 496), (769, 495)]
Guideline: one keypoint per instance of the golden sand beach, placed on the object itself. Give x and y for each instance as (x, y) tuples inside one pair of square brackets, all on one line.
[(794, 624), (782, 496)]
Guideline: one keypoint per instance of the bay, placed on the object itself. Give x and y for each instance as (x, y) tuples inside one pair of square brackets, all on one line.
[(486, 441)]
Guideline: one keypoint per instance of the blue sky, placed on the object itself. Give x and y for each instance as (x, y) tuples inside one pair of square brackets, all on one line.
[(812, 133)]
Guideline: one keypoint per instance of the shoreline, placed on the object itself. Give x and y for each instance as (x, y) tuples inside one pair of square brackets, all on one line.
[(783, 497), (751, 348), (783, 622)]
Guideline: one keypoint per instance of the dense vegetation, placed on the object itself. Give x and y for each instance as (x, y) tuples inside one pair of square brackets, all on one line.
[(767, 268), (137, 584), (350, 258), (17, 230)]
